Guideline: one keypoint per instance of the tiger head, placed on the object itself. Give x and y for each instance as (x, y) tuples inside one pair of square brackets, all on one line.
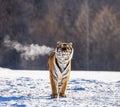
[(64, 50)]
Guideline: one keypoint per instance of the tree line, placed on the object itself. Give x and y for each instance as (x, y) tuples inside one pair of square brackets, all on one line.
[(92, 25)]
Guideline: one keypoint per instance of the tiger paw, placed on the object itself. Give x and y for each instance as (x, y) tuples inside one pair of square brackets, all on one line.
[(63, 95), (54, 96)]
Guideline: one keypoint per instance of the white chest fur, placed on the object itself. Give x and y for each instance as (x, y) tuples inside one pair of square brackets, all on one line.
[(61, 71), (61, 74)]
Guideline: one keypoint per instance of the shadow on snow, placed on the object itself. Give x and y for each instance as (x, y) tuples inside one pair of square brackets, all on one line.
[(11, 98)]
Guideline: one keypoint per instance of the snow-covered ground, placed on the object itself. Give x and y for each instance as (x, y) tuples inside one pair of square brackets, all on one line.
[(20, 88)]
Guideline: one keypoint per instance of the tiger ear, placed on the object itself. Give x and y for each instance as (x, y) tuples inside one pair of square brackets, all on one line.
[(59, 42), (70, 43)]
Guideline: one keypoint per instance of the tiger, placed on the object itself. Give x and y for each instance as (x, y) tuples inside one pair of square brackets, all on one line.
[(59, 65)]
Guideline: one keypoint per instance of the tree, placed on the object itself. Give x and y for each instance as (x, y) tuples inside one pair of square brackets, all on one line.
[(105, 37)]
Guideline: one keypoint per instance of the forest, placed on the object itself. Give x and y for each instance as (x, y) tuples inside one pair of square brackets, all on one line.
[(93, 26)]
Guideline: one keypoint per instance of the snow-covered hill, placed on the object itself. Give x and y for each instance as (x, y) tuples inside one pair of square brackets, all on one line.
[(85, 89)]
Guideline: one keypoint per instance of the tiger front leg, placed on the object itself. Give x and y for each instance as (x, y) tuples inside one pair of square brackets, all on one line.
[(63, 90), (54, 88)]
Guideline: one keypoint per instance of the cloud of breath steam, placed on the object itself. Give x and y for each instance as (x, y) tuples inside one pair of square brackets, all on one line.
[(31, 51)]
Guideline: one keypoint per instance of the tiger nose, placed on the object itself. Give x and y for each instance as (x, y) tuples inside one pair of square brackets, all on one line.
[(64, 49)]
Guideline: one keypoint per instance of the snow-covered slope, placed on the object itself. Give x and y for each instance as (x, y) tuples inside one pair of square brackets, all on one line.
[(85, 89)]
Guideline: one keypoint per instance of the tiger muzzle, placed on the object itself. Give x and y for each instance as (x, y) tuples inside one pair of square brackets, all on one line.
[(64, 49)]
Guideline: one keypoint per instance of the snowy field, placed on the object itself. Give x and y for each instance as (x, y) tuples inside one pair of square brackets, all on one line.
[(85, 89)]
